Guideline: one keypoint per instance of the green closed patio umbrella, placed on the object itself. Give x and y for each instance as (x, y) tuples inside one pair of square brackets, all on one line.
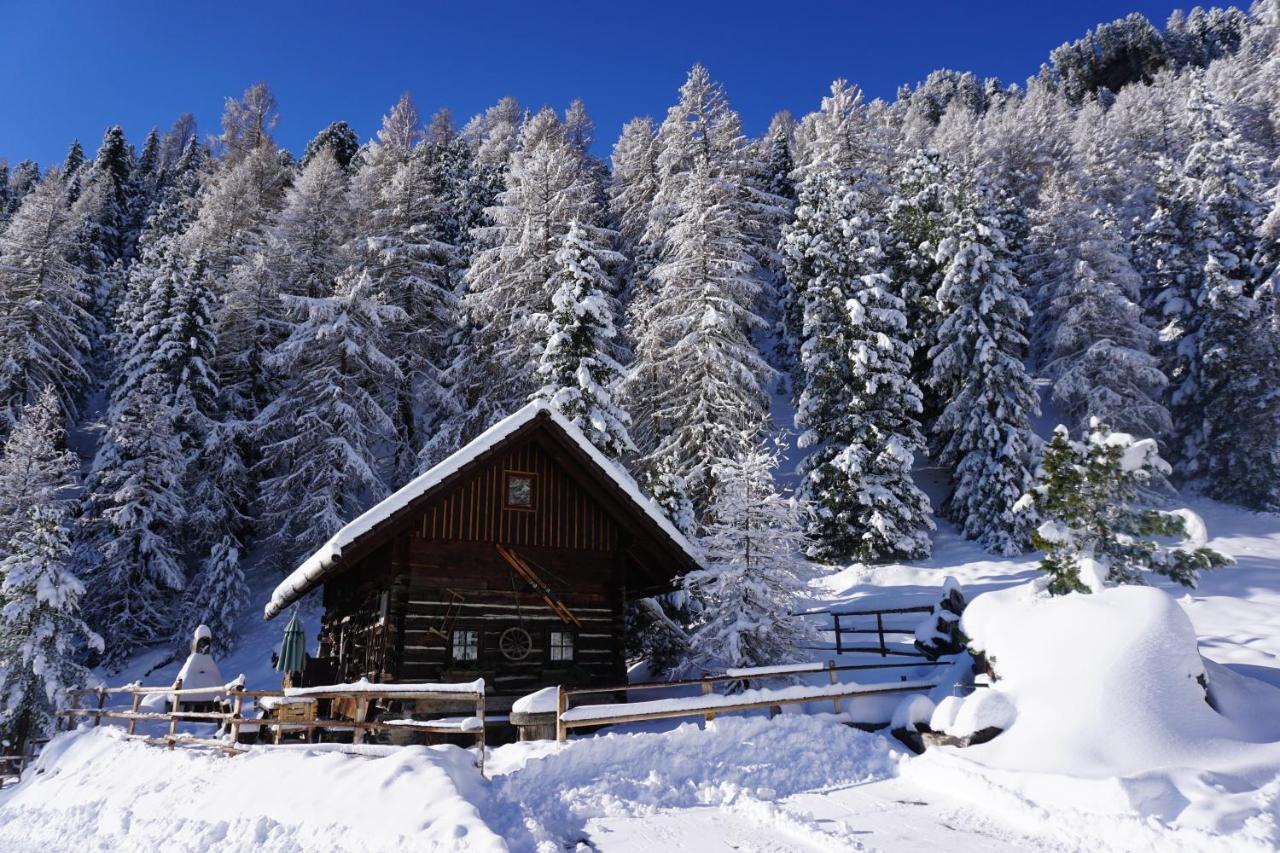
[(293, 649)]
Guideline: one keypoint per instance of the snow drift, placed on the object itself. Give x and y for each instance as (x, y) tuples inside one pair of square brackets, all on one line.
[(1106, 711)]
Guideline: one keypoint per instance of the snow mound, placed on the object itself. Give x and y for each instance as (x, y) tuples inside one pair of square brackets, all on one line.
[(731, 761), (96, 790), (1106, 710)]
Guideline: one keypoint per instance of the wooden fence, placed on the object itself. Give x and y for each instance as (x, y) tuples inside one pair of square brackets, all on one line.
[(711, 703), (361, 697), (863, 625)]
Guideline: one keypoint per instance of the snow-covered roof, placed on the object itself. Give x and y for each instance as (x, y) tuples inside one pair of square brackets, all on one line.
[(306, 575)]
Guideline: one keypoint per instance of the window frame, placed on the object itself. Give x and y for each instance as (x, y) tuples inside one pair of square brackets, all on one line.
[(552, 647), (507, 477), (453, 645)]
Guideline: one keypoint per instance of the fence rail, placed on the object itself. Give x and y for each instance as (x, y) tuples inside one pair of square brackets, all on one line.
[(710, 703), (362, 696), (840, 627)]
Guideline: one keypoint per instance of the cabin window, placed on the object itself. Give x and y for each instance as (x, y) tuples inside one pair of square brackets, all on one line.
[(466, 645), (519, 491), (561, 645)]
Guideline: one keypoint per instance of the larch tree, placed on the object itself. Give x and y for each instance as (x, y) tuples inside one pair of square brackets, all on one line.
[(580, 377), (44, 321), (508, 285), (322, 439), (35, 467)]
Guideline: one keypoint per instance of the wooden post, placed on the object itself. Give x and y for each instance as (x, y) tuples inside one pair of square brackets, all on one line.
[(562, 705), (237, 707), (831, 671), (102, 702), (173, 713), (137, 703), (880, 630), (75, 706), (362, 714), (839, 646), (480, 734), (707, 688)]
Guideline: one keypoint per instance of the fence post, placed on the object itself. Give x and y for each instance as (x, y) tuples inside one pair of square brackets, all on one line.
[(562, 705), (173, 713), (75, 706), (884, 651), (237, 707), (839, 646), (362, 714), (707, 689), (831, 671), (137, 703), (480, 734), (102, 702)]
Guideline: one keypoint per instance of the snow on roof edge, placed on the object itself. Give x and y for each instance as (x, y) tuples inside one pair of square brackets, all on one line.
[(311, 569)]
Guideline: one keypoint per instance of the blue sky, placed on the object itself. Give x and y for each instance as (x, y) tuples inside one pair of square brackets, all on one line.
[(70, 69)]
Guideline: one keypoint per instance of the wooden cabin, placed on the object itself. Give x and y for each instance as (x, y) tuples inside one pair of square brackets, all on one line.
[(511, 561)]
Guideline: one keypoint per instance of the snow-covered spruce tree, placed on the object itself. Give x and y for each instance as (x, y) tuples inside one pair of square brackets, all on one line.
[(35, 467), (216, 597), (113, 167), (857, 402), (917, 218), (749, 591), (1091, 530), (1092, 340), (670, 493), (339, 139), (44, 323), (984, 429), (133, 516), (580, 376), (41, 632), (322, 438), (698, 351), (1239, 365), (509, 283), (1230, 384), (450, 166), (1163, 255)]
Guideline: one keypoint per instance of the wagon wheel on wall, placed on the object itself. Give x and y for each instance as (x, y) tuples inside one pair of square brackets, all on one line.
[(515, 643)]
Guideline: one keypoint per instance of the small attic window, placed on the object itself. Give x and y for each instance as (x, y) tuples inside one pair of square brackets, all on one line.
[(519, 491)]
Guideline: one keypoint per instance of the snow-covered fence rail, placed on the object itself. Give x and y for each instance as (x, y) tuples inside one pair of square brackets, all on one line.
[(859, 623), (711, 703), (361, 696)]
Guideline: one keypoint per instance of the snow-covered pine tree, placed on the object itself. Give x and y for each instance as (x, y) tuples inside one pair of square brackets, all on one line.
[(450, 166), (322, 439), (509, 282), (216, 597), (44, 324), (22, 180), (749, 592), (42, 635), (133, 516), (857, 404), (1091, 530), (35, 467), (247, 122), (1092, 340), (984, 429), (1231, 354), (697, 358), (917, 218), (1163, 255), (113, 166), (580, 377), (341, 141)]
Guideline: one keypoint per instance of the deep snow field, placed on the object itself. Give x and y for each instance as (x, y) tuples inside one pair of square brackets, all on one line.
[(1136, 761)]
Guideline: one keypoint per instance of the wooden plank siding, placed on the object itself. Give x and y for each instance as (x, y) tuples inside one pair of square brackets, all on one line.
[(450, 547)]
